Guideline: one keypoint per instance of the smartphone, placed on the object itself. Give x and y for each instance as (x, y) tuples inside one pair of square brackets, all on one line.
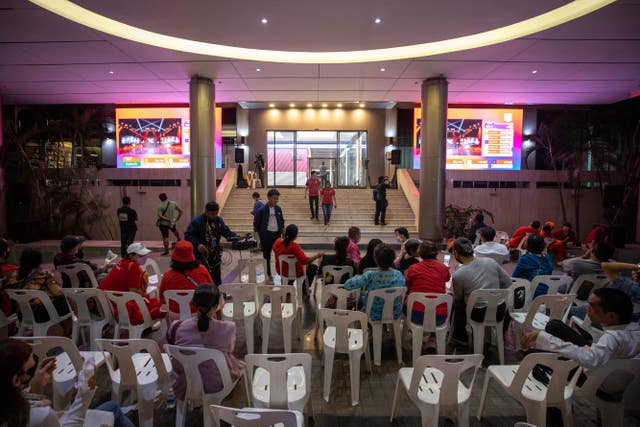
[(447, 259)]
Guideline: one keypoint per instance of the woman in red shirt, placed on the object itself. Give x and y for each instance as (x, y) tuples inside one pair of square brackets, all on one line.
[(185, 273), (287, 246), (429, 275), (328, 201)]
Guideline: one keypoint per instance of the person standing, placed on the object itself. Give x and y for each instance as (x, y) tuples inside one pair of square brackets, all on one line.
[(269, 222), (476, 226), (167, 220), (127, 218), (323, 173), (328, 201), (257, 204), (381, 200), (313, 186), (204, 233)]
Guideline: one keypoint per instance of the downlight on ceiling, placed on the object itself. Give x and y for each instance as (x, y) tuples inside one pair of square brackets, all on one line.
[(570, 11)]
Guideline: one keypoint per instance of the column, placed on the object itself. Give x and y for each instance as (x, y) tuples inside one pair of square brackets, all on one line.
[(433, 157), (3, 189), (203, 162)]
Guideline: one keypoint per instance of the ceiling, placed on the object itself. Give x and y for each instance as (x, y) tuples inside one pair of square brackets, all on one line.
[(46, 59)]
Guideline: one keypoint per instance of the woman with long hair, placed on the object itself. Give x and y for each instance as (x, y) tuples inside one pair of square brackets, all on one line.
[(286, 245), (368, 260), (204, 330), (340, 259)]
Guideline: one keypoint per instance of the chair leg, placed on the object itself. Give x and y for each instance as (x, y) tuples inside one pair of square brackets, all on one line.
[(430, 415), (376, 331), (367, 357), (416, 345), (395, 399), (248, 335), (463, 413), (145, 412), (287, 326), (181, 412), (397, 335), (266, 326), (328, 372), (612, 412), (487, 378), (500, 342), (354, 371), (478, 339), (567, 414), (536, 413), (441, 341)]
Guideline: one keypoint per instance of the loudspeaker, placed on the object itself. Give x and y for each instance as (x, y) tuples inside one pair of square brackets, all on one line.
[(239, 155), (395, 157), (613, 196)]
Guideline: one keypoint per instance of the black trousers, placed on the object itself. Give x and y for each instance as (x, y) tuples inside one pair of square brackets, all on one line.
[(477, 314), (127, 236), (267, 239), (381, 211), (313, 206)]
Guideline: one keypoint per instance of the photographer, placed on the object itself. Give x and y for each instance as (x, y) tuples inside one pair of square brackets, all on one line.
[(204, 233)]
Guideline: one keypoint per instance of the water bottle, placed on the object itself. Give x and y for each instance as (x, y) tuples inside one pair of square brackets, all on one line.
[(277, 280)]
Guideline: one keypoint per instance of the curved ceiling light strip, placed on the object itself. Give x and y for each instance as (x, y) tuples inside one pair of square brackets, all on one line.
[(555, 17)]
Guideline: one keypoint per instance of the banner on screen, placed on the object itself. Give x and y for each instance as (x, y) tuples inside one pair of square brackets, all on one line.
[(478, 138), (158, 137)]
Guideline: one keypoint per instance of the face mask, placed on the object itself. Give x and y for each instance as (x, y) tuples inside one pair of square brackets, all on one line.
[(141, 260), (80, 254), (398, 238)]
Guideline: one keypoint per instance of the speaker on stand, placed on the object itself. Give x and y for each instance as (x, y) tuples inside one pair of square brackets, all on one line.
[(241, 182)]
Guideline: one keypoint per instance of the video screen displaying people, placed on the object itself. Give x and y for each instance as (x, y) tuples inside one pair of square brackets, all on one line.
[(464, 137), (150, 136)]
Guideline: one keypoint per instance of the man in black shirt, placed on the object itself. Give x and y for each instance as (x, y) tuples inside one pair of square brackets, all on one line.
[(477, 225), (381, 200), (127, 218)]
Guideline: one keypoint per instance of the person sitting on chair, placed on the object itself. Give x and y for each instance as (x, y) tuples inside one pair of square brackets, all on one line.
[(522, 232)]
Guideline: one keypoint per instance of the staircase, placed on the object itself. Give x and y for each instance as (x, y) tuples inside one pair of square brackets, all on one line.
[(355, 208)]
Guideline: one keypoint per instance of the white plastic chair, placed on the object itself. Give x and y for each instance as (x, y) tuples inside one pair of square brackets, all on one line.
[(277, 309), (69, 362), (552, 281), (98, 418), (155, 276), (585, 325), (5, 322), (519, 295), (389, 295), (278, 381), (337, 272), (242, 308), (342, 298), (251, 417), (83, 316), (256, 269), (120, 299), (338, 337), (73, 270), (23, 297), (142, 369), (299, 282), (430, 301), (535, 318), (191, 358), (434, 384), (518, 381), (183, 299), (491, 299), (611, 412), (369, 269), (598, 281), (520, 248)]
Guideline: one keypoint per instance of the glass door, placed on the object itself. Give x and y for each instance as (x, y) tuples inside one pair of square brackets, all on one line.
[(313, 148), (281, 159), (352, 152)]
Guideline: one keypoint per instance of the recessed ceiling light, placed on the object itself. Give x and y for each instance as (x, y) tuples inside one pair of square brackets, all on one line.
[(292, 105), (339, 105), (362, 105), (324, 105), (258, 69), (309, 105), (110, 72), (534, 72), (383, 69), (508, 103), (264, 20), (272, 105), (377, 20)]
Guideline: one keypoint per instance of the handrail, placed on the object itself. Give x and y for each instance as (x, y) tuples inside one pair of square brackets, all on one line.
[(406, 184), (226, 185)]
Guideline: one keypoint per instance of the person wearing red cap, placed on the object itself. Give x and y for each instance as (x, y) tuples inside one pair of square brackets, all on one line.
[(185, 273)]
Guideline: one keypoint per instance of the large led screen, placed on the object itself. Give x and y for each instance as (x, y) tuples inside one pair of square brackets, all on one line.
[(478, 138), (158, 137)]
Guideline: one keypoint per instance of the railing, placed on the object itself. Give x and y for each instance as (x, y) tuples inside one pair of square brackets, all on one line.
[(405, 183), (226, 185)]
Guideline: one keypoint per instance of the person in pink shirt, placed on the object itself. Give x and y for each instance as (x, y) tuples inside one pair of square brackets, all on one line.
[(328, 201), (353, 251), (313, 187)]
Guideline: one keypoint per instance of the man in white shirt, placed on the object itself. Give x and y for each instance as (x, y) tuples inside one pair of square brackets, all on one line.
[(621, 339), (490, 249)]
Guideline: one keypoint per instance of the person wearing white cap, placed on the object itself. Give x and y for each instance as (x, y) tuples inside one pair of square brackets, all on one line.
[(129, 276)]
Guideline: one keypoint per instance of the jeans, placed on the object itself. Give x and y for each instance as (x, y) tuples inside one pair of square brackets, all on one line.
[(326, 211), (121, 419), (313, 206)]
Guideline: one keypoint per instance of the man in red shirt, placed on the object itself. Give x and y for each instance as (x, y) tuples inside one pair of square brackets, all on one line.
[(522, 232), (596, 235), (313, 186), (565, 234)]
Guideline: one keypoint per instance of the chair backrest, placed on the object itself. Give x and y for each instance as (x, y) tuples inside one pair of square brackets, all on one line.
[(123, 351), (249, 417), (430, 301), (278, 365), (153, 270), (337, 272), (552, 282), (594, 281), (501, 237), (42, 346), (597, 376), (24, 296), (277, 295), (239, 293), (120, 299), (446, 382), (191, 358), (182, 298), (369, 269), (520, 294), (556, 305), (290, 261), (559, 384), (491, 298), (522, 243), (388, 295), (72, 271), (341, 320), (80, 298), (340, 293), (256, 269)]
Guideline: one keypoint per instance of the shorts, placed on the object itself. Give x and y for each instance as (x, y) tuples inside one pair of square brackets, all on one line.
[(164, 230), (41, 315)]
